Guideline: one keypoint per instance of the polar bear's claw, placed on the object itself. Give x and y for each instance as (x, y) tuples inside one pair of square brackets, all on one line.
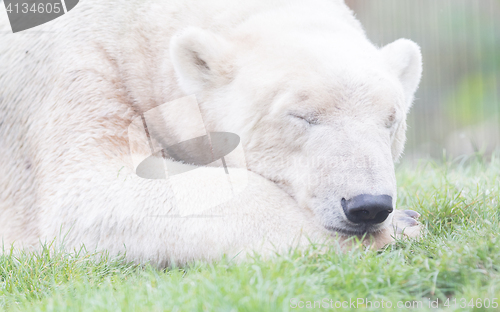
[(405, 223), (412, 214)]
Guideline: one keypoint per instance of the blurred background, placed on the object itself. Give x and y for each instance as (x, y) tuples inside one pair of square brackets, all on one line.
[(457, 106)]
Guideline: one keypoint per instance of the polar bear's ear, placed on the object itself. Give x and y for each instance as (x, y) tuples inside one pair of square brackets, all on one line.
[(405, 59), (199, 58)]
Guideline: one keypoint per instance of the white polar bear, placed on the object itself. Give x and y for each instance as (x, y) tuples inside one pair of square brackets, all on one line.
[(320, 110)]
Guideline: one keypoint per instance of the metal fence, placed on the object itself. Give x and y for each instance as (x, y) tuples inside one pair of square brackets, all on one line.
[(457, 107)]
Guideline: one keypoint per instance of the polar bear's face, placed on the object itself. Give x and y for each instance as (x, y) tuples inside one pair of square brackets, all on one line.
[(323, 121)]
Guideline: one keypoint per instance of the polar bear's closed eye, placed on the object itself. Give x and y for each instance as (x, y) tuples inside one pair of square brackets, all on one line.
[(310, 119)]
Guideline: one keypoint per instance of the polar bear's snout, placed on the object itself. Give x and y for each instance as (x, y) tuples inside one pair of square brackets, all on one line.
[(367, 209)]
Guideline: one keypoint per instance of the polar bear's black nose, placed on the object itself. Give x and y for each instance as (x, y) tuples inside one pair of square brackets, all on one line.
[(366, 208)]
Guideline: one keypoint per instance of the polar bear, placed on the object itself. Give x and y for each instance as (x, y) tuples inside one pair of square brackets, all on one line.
[(321, 113)]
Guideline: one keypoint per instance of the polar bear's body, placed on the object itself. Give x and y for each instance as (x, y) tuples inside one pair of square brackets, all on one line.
[(70, 88)]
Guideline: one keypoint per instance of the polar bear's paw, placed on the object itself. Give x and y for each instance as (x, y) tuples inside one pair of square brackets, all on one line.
[(405, 223)]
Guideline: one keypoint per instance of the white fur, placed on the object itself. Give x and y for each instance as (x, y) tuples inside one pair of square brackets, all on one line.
[(70, 88)]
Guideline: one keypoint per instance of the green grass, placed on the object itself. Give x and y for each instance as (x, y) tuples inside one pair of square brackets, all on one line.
[(458, 257)]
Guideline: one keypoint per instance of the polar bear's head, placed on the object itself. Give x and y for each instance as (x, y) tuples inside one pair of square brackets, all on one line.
[(321, 112)]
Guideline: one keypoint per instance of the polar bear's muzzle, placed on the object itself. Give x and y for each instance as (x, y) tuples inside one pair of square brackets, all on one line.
[(367, 209)]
